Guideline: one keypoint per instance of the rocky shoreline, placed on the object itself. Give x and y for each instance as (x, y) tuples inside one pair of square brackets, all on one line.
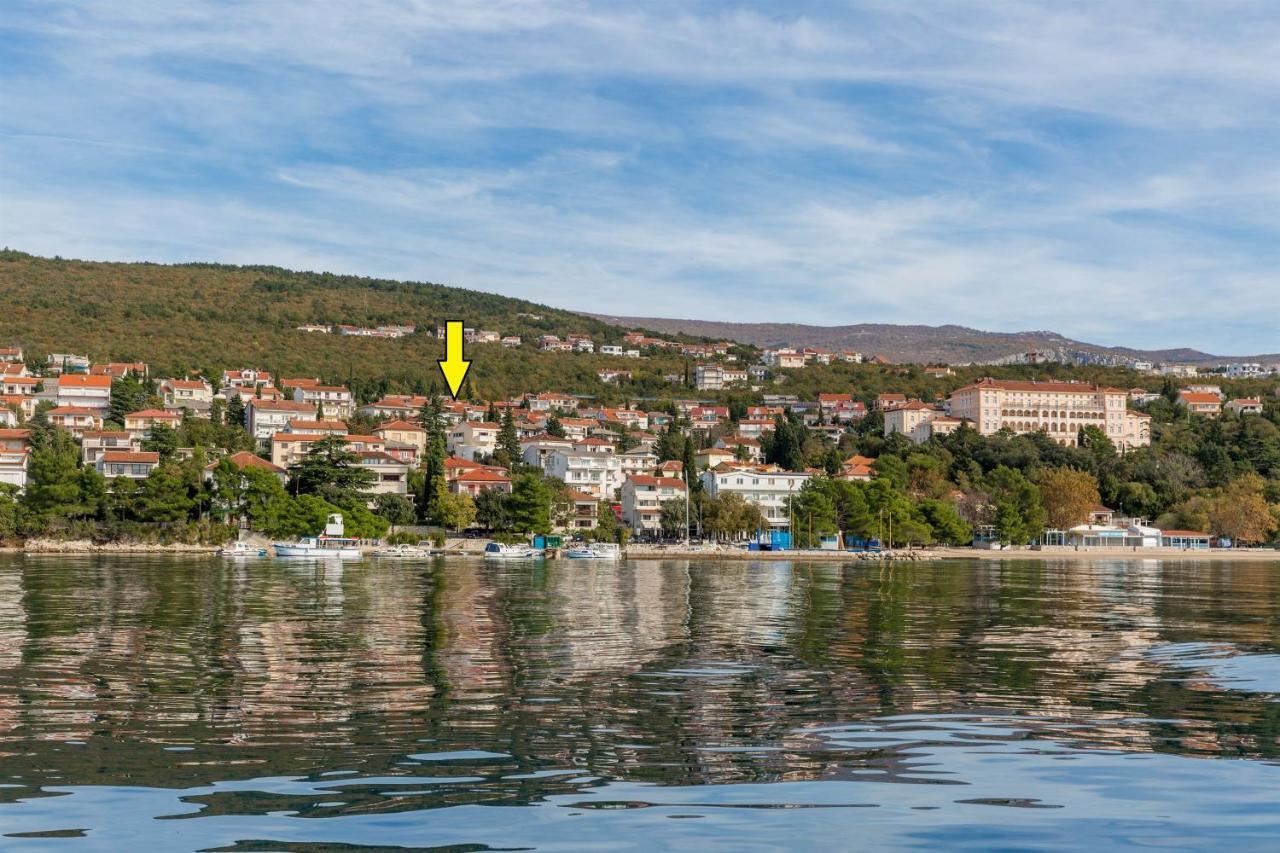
[(85, 546)]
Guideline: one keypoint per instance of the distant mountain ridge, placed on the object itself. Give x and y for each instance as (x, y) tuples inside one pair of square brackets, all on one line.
[(944, 344)]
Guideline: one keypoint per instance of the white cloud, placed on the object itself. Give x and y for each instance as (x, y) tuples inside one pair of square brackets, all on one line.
[(1108, 172)]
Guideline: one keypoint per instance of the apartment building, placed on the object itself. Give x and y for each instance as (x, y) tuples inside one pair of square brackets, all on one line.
[(335, 401), (81, 391), (714, 377), (767, 488), (597, 474), (265, 418), (642, 499)]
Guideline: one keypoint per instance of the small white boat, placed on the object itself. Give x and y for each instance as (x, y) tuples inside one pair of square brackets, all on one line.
[(498, 551), (242, 549), (595, 551), (330, 545), (402, 552)]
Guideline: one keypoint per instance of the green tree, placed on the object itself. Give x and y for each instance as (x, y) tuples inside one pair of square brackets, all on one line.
[(814, 514), (529, 504), (491, 510), (433, 462), (785, 447), (398, 510), (1019, 514), (554, 427), (129, 394), (672, 517), (53, 481), (945, 521), (670, 444), (236, 411), (332, 472), (8, 511), (508, 451), (455, 511), (164, 496), (161, 439)]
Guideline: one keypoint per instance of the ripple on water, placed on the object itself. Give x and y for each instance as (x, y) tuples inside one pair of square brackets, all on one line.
[(169, 704), (1223, 665)]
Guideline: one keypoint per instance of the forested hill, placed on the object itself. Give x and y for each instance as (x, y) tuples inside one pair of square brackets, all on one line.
[(208, 317)]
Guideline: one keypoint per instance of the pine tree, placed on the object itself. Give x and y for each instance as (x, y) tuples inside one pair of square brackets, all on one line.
[(53, 480), (433, 470), (508, 452), (235, 411)]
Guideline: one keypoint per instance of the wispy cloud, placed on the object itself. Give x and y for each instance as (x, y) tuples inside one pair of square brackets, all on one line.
[(1108, 172)]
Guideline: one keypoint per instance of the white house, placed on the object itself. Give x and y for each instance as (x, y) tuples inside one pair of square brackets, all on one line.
[(93, 443), (471, 439), (265, 418), (84, 391), (135, 465), (195, 395), (335, 400), (767, 489), (596, 474)]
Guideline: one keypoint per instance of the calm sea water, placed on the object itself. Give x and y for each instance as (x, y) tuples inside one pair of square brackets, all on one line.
[(190, 704)]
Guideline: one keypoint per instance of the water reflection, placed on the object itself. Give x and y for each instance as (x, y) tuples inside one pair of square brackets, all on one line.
[(244, 695)]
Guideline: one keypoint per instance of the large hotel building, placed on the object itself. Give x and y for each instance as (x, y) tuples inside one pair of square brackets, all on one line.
[(1058, 408)]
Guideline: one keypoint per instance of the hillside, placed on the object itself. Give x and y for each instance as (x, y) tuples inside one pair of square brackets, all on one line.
[(944, 344), (208, 317)]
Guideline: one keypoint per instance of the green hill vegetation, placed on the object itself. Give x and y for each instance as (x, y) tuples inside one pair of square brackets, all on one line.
[(209, 317)]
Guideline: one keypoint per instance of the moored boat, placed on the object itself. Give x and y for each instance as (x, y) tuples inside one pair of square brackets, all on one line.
[(330, 545), (595, 551), (499, 551), (241, 549), (402, 552)]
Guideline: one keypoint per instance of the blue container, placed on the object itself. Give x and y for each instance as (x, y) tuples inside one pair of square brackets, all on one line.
[(539, 541), (779, 540)]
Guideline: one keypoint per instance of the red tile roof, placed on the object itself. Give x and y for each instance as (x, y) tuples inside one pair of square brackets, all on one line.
[(141, 456), (245, 459), (656, 482), (80, 380), (482, 475)]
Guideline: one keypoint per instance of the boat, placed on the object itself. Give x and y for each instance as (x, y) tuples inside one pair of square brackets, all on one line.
[(330, 545), (595, 551), (242, 549), (498, 551), (403, 552)]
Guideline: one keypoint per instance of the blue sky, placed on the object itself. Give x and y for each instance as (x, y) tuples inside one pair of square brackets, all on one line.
[(1107, 170)]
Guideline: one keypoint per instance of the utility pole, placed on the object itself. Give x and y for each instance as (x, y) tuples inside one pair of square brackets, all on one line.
[(687, 493)]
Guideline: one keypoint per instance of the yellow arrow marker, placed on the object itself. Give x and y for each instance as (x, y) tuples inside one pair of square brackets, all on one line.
[(453, 365)]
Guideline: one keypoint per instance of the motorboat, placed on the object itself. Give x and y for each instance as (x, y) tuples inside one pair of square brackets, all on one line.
[(499, 551), (241, 549), (332, 544), (595, 551), (403, 552)]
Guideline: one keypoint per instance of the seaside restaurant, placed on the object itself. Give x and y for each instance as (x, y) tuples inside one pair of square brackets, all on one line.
[(1107, 536), (1187, 540)]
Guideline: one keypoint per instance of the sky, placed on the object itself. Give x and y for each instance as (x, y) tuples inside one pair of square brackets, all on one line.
[(1110, 171)]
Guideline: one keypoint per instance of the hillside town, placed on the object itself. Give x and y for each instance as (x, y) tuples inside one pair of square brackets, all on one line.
[(634, 469)]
